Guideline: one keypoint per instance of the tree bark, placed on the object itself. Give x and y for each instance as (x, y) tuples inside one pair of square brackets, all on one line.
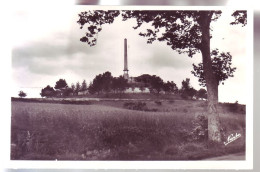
[(211, 81)]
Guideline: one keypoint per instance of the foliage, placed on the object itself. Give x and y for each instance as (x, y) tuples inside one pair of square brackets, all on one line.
[(180, 29), (48, 91), (156, 83), (67, 91), (95, 20), (22, 94), (119, 84), (61, 83), (84, 85), (77, 89), (202, 93), (186, 90), (158, 103), (240, 18), (136, 106), (145, 78), (91, 88), (221, 65), (106, 81), (101, 83), (200, 130), (73, 88), (170, 87)]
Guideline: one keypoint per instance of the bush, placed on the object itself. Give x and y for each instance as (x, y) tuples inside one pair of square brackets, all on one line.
[(158, 103), (22, 94), (136, 106), (200, 130)]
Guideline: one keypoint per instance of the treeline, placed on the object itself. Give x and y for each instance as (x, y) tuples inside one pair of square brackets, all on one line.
[(62, 89), (106, 83)]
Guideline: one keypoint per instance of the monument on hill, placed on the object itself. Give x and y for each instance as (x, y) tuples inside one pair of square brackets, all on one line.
[(126, 76)]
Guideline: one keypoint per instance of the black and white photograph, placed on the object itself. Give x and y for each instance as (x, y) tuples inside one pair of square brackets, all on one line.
[(106, 83)]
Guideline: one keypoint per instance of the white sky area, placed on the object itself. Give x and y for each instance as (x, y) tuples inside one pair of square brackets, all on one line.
[(46, 47)]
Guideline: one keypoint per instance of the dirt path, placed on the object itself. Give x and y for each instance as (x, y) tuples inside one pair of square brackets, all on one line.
[(236, 156)]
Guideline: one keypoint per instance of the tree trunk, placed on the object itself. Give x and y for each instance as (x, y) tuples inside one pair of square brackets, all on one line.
[(211, 82)]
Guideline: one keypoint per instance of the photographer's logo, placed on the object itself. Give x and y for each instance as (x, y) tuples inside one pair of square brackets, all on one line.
[(231, 138)]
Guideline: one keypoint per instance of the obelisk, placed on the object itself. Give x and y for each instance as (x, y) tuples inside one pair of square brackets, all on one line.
[(126, 76)]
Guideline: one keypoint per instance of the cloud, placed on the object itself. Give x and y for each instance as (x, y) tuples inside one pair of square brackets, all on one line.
[(54, 51), (168, 58)]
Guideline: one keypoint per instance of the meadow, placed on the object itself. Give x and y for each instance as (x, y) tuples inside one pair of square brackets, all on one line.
[(110, 130)]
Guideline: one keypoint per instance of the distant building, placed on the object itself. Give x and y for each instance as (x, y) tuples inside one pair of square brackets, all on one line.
[(61, 91), (85, 92)]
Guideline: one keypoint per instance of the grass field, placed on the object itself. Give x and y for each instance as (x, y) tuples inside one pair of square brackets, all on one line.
[(106, 130)]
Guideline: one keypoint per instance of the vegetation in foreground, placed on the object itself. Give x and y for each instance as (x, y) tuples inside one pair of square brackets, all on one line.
[(111, 130)]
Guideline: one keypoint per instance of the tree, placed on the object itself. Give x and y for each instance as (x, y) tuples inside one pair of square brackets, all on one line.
[(96, 86), (48, 91), (202, 93), (77, 89), (185, 31), (156, 83), (170, 87), (221, 65), (240, 18), (185, 84), (61, 83), (73, 88), (119, 84), (84, 85), (67, 91), (102, 83), (186, 90), (106, 81), (22, 94), (91, 89), (145, 79)]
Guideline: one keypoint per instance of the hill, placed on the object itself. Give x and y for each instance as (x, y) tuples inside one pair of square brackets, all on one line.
[(120, 130)]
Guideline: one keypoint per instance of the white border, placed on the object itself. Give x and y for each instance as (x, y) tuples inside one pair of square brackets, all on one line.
[(247, 164)]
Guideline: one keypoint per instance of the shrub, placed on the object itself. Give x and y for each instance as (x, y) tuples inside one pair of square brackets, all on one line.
[(158, 103), (22, 94), (200, 130), (136, 106)]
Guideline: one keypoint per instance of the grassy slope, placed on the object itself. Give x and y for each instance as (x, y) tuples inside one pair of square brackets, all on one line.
[(106, 131)]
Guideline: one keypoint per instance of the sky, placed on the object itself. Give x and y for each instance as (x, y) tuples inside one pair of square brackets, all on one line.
[(46, 47)]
